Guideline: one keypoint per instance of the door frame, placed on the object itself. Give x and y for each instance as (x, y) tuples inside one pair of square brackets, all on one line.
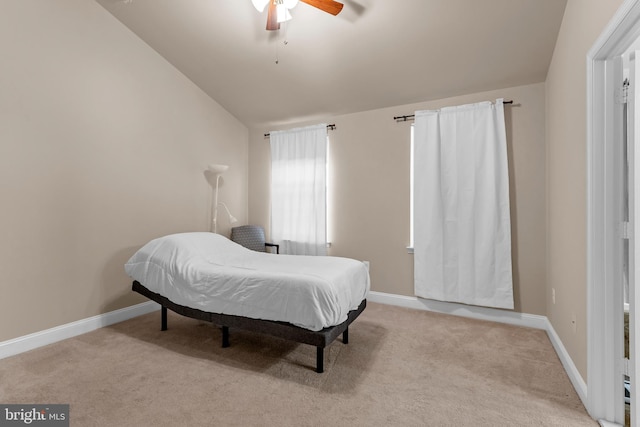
[(604, 288)]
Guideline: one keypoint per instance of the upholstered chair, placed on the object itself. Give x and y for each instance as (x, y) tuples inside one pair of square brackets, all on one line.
[(252, 237)]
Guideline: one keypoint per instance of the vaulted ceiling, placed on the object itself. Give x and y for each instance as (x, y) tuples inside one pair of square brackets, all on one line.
[(374, 54)]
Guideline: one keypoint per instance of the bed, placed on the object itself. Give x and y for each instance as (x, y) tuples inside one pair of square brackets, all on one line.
[(307, 299)]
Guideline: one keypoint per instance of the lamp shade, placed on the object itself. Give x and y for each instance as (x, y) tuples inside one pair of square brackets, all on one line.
[(282, 13), (261, 4), (213, 174), (232, 219), (217, 169)]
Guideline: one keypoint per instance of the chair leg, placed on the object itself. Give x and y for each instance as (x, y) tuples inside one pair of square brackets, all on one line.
[(345, 336), (163, 316)]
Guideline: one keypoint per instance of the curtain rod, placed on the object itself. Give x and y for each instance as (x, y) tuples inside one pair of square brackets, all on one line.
[(329, 127), (410, 117)]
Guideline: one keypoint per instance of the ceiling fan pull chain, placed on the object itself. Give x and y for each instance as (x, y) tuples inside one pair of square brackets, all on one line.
[(284, 43), (286, 27)]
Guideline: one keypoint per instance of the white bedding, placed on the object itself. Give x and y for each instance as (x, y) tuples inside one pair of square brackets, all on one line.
[(209, 272)]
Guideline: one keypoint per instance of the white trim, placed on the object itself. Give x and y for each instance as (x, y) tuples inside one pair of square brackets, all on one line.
[(474, 312), (619, 34), (574, 375), (62, 332), (59, 333), (602, 216), (491, 314)]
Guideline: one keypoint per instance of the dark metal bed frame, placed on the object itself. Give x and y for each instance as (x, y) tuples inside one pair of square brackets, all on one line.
[(320, 339)]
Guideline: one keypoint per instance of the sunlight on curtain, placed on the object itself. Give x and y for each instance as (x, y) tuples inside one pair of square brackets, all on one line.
[(298, 190), (462, 226)]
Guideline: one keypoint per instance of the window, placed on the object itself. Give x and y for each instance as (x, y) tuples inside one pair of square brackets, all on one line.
[(299, 190)]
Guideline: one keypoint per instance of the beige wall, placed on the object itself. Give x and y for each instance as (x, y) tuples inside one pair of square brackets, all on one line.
[(370, 196), (103, 145), (583, 22)]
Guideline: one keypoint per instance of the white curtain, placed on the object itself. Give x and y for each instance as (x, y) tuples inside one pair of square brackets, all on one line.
[(298, 190), (462, 227)]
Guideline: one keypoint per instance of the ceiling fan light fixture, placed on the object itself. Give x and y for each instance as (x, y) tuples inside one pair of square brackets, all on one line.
[(260, 4), (278, 10), (283, 14)]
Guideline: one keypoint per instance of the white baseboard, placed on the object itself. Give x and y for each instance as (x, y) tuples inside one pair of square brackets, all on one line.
[(474, 312), (495, 315), (59, 333), (573, 373)]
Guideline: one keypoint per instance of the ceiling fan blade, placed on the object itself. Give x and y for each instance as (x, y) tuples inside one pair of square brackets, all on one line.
[(329, 6), (272, 17)]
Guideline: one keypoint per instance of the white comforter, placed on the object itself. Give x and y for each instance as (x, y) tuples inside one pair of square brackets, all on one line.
[(209, 272)]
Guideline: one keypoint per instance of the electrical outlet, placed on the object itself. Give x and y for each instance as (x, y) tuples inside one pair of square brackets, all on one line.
[(553, 295), (573, 323)]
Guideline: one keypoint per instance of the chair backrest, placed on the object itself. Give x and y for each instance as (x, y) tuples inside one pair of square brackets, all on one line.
[(249, 236)]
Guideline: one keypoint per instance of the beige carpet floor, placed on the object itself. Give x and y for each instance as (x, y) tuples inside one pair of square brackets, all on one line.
[(401, 368)]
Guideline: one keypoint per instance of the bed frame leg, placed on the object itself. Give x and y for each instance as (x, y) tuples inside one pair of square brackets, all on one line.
[(345, 336), (163, 326), (319, 360), (225, 336)]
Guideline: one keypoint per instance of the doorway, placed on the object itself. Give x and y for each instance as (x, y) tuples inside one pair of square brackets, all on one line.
[(612, 241)]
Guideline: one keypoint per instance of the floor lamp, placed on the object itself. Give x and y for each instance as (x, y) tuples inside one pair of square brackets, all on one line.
[(213, 174)]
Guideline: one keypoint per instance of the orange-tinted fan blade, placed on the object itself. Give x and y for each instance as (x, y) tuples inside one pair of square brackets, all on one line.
[(329, 6), (272, 17)]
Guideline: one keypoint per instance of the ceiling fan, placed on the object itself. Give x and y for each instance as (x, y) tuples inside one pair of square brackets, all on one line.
[(279, 9)]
